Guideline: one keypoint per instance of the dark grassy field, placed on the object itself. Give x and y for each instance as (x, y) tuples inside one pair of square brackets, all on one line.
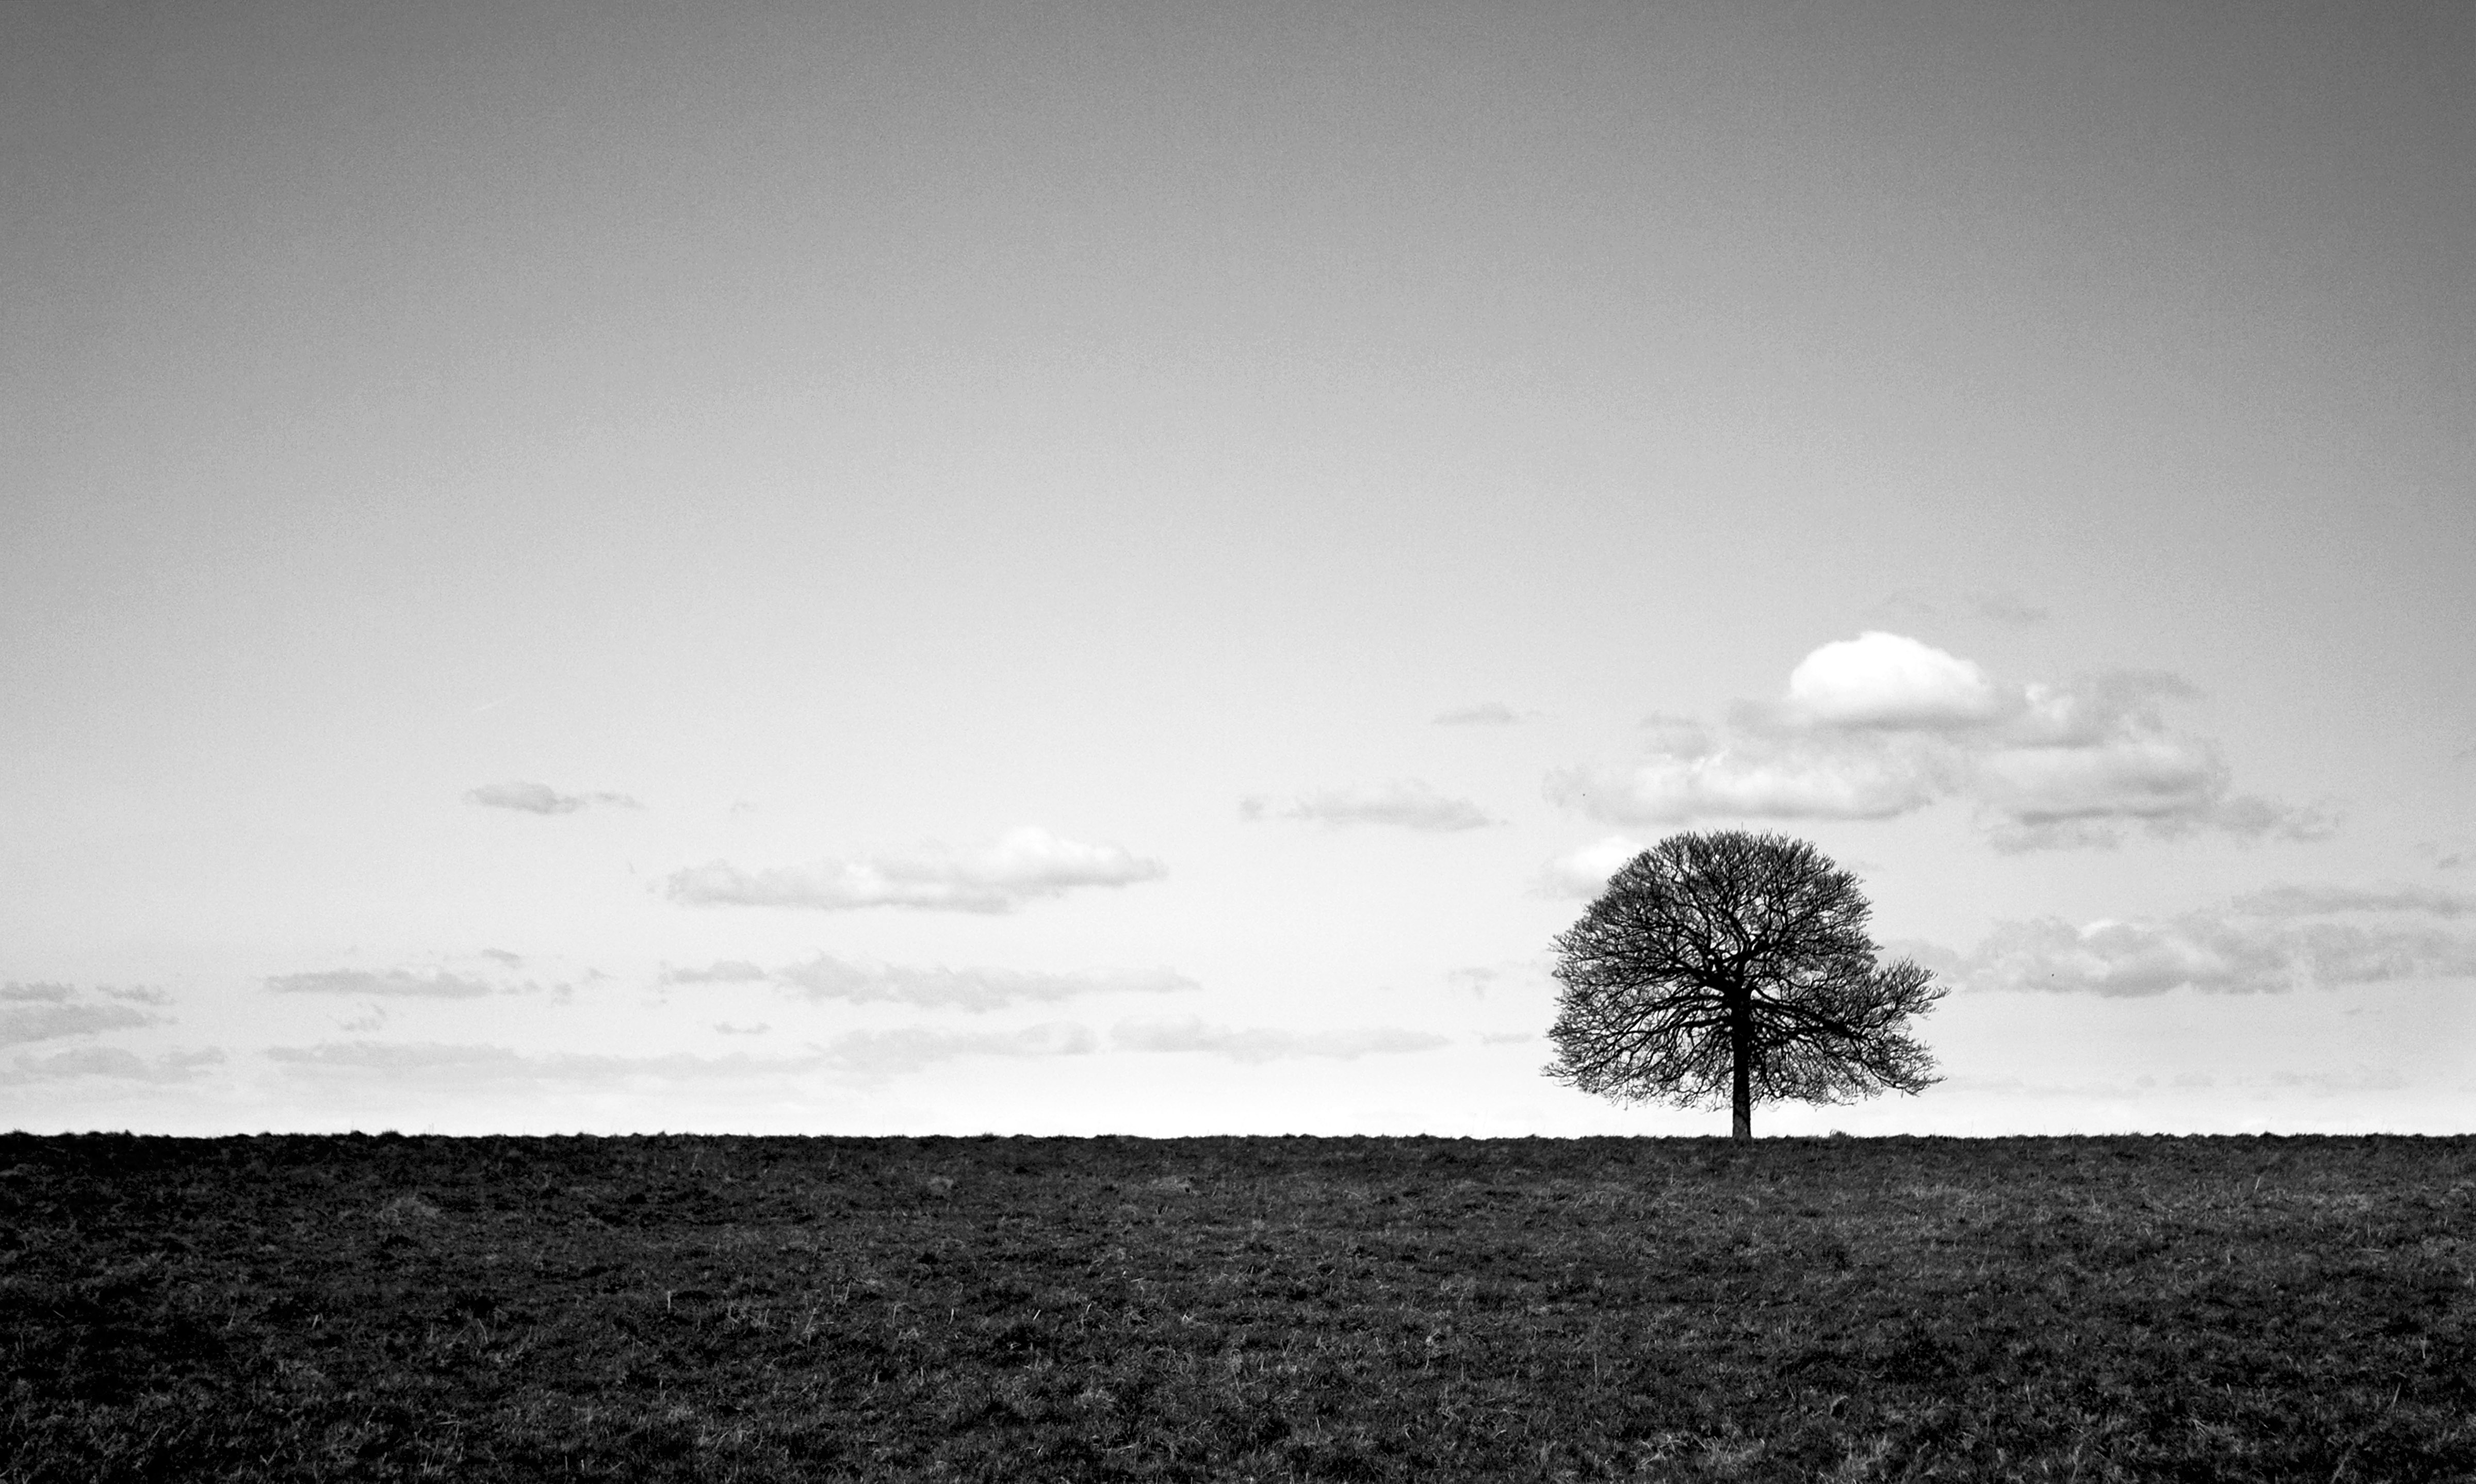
[(1018, 1309)]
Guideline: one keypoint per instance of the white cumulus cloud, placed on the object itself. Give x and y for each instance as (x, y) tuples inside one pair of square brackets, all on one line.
[(1026, 865), (1887, 679)]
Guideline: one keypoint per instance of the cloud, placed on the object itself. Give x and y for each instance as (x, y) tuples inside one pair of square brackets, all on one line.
[(502, 958), (110, 1062), (36, 1020), (2129, 778), (1475, 978), (542, 799), (872, 1052), (1406, 806), (1486, 713), (1883, 724), (1857, 778), (726, 971), (468, 1063), (396, 983), (2290, 901), (975, 990), (1675, 736), (727, 1029), (38, 992), (911, 1047), (1885, 680), (2268, 942), (2357, 1079), (138, 994), (2246, 817), (1026, 865), (1583, 874), (1259, 1044), (2447, 854)]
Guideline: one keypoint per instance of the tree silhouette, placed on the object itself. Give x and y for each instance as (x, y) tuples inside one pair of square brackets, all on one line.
[(1734, 966)]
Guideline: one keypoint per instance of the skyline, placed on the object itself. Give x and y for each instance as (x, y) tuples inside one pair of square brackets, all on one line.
[(1127, 569)]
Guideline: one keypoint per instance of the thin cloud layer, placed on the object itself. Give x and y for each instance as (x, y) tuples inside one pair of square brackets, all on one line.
[(542, 799), (48, 1012), (2290, 901), (727, 971), (43, 992), (1883, 724), (1853, 777), (1260, 1044), (468, 1063), (1486, 713), (117, 1064), (1026, 865), (2270, 942), (394, 983), (910, 1048), (975, 990), (1403, 806), (873, 1052)]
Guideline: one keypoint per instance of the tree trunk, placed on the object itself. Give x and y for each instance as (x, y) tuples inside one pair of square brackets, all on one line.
[(1741, 1052)]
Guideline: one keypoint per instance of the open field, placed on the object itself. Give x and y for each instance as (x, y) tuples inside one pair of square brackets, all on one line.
[(1016, 1309)]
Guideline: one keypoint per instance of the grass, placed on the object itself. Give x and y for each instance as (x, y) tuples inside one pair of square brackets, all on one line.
[(1023, 1309)]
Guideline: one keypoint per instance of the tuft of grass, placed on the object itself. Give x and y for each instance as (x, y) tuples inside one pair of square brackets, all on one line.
[(672, 1307), (400, 1210)]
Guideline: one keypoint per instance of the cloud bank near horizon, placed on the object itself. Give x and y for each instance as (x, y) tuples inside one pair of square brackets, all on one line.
[(2272, 941), (118, 1064), (44, 1011), (1261, 1043), (1882, 726)]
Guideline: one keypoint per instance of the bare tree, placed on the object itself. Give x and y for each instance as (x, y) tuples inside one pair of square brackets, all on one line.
[(1735, 966)]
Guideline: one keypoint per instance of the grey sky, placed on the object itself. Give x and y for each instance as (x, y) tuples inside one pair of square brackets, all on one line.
[(862, 436)]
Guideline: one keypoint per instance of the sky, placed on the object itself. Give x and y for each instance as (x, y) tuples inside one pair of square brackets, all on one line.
[(1076, 568)]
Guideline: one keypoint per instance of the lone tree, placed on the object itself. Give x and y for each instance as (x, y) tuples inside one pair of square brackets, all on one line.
[(1734, 965)]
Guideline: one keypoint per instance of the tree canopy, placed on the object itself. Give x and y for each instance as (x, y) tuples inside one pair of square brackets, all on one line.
[(1735, 967)]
